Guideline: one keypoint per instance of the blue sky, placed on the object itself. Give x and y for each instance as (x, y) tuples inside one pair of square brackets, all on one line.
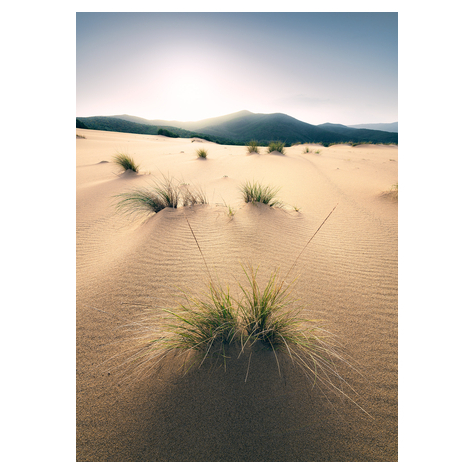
[(316, 67)]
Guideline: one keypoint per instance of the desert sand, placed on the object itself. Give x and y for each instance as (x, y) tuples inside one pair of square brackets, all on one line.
[(347, 277)]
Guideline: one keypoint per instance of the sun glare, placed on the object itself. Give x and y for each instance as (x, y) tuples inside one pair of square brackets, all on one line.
[(184, 96)]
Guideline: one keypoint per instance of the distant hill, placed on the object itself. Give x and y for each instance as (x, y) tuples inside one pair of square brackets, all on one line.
[(241, 127), (80, 125), (114, 124), (389, 127)]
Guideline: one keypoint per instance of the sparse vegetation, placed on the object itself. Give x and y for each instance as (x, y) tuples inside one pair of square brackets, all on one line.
[(126, 162), (276, 147), (193, 196), (253, 192), (206, 327), (253, 147), (202, 153), (80, 136), (306, 150), (394, 191), (164, 194)]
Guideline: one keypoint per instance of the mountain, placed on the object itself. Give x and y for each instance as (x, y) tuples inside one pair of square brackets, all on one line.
[(114, 124), (189, 125), (241, 127), (80, 125), (389, 127)]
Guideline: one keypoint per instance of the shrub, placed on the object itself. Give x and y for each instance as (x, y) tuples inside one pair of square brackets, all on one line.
[(253, 147), (126, 162), (277, 147), (202, 153), (257, 193)]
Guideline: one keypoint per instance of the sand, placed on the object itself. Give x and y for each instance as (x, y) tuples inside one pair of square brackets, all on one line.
[(347, 276)]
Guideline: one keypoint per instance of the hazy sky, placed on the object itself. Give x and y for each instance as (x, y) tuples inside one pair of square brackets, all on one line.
[(316, 67)]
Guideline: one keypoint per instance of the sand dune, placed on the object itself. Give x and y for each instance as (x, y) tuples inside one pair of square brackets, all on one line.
[(347, 276)]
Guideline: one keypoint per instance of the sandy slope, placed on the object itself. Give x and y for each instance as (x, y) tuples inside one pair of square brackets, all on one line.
[(347, 276)]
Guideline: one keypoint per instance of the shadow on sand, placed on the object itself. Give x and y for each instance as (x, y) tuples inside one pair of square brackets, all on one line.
[(214, 415)]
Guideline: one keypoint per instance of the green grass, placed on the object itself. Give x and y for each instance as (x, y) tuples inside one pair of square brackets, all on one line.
[(206, 326), (252, 147), (276, 147), (253, 192), (161, 195), (126, 162), (306, 150), (270, 314), (202, 153)]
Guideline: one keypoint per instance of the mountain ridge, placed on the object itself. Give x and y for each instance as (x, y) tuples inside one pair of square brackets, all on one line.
[(243, 126)]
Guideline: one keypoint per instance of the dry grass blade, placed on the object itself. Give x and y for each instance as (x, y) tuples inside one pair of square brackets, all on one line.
[(193, 196)]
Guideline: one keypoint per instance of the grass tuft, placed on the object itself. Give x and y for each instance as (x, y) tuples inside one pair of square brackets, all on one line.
[(253, 147), (205, 327), (164, 194), (253, 192), (126, 162), (276, 147), (202, 153), (271, 316), (193, 196)]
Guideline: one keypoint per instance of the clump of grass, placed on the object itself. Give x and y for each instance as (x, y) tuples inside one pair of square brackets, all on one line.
[(164, 194), (276, 147), (206, 326), (394, 191), (202, 153), (253, 192), (317, 152), (80, 136), (126, 162), (253, 147), (271, 316), (193, 196), (306, 150)]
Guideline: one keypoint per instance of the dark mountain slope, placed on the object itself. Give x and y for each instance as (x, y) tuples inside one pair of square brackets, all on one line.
[(241, 127)]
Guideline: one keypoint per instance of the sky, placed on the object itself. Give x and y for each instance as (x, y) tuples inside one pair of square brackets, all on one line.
[(316, 67)]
